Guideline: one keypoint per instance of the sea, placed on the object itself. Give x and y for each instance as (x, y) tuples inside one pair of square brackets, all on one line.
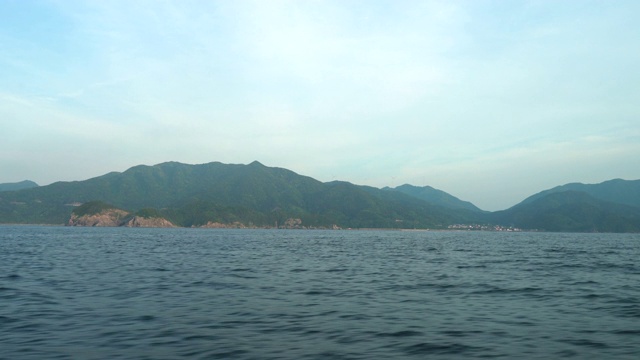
[(131, 293)]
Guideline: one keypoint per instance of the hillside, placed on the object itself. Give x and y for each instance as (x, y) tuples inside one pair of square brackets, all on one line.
[(618, 191), (254, 194), (434, 196), (26, 184), (571, 211)]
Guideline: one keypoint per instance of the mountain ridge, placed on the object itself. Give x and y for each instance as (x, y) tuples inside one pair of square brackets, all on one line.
[(615, 190), (25, 184), (435, 196), (255, 195), (575, 211)]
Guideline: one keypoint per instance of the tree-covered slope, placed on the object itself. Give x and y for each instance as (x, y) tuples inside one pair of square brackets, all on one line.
[(434, 196), (257, 195), (571, 211), (617, 190), (191, 195), (26, 184)]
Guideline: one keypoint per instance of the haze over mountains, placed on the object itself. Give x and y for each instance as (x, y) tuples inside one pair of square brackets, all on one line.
[(255, 195), (616, 190), (26, 184)]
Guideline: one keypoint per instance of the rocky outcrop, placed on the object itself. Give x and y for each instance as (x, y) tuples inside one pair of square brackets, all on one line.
[(139, 221), (117, 217), (217, 225), (111, 217)]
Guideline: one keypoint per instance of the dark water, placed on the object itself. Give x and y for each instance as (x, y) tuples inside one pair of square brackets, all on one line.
[(81, 293)]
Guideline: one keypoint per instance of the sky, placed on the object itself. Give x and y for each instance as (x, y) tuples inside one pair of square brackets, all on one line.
[(490, 101)]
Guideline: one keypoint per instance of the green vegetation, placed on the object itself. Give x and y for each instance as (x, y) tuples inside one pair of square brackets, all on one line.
[(571, 211), (27, 184), (619, 191), (92, 208), (149, 213), (256, 195), (435, 196)]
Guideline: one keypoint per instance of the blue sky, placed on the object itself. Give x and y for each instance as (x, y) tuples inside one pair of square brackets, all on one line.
[(490, 101)]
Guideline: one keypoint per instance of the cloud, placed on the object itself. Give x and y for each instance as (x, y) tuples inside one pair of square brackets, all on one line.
[(374, 92)]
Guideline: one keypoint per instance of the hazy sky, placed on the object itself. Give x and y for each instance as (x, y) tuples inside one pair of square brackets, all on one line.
[(490, 101)]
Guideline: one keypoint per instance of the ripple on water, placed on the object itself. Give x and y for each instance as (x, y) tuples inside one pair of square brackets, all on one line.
[(114, 293), (402, 333), (425, 348)]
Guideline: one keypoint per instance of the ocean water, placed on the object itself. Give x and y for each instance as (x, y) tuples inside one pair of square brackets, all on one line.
[(112, 293)]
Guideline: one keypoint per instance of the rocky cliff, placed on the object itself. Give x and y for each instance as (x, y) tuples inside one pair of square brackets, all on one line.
[(111, 217), (217, 225), (102, 215), (139, 221)]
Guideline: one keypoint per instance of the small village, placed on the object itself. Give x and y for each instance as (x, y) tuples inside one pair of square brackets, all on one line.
[(479, 227)]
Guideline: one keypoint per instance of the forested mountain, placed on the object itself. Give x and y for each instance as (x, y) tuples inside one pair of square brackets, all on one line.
[(193, 195), (434, 196), (616, 190), (255, 195), (26, 184), (573, 211)]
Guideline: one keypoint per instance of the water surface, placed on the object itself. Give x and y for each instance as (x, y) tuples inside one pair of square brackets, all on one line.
[(107, 293)]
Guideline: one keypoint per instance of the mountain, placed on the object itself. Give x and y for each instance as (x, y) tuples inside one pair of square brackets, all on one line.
[(570, 211), (610, 206), (618, 191), (434, 196), (26, 184), (254, 194)]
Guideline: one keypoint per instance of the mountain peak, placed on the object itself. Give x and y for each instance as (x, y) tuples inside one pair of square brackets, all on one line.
[(435, 196), (617, 190), (26, 184), (196, 195)]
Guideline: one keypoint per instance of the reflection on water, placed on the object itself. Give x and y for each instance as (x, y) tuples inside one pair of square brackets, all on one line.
[(190, 293)]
